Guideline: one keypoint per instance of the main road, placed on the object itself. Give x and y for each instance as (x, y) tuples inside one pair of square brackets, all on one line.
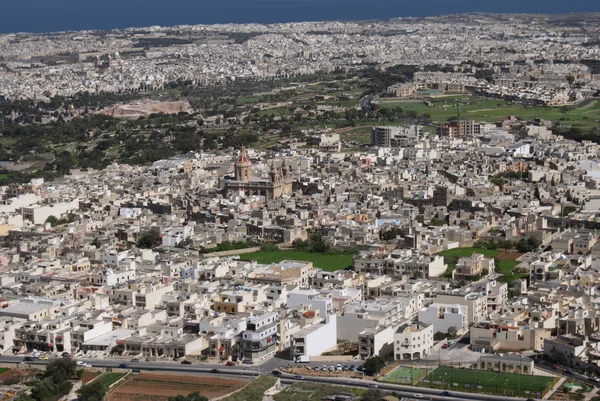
[(251, 370)]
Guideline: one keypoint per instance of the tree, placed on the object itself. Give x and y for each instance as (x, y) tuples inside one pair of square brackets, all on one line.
[(389, 235), (61, 369), (117, 350), (189, 397), (96, 242), (372, 395), (149, 239), (436, 222), (94, 391), (439, 336), (52, 220), (373, 365), (452, 332)]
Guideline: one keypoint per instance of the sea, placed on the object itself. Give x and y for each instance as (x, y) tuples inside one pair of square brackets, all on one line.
[(71, 15)]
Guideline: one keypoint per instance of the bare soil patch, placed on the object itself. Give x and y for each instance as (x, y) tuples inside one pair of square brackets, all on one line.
[(88, 376), (510, 255), (159, 387)]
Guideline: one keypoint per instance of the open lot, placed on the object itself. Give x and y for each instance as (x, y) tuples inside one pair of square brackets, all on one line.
[(324, 261), (487, 382), (159, 387)]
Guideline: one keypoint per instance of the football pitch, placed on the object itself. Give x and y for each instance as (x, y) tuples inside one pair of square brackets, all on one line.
[(403, 375), (468, 380)]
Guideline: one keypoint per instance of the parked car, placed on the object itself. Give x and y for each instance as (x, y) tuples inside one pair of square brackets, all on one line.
[(80, 363), (332, 368), (229, 363), (352, 368), (298, 377), (445, 346), (316, 369), (247, 361), (215, 371), (555, 367), (276, 373), (28, 359), (418, 395), (186, 362), (135, 360), (41, 358), (345, 368), (123, 366), (446, 394), (374, 385), (569, 371)]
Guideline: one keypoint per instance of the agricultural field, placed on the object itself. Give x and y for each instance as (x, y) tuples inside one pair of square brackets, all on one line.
[(108, 379), (404, 375), (474, 381), (88, 376), (314, 392), (254, 391), (325, 261), (506, 260), (159, 387)]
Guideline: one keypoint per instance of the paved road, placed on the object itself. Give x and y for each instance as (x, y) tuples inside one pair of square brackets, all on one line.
[(250, 370)]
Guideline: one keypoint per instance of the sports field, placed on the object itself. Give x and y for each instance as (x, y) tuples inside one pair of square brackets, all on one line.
[(404, 375), (328, 262), (487, 382)]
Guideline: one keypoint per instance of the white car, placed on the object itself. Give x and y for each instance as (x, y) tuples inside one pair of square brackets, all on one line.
[(418, 395), (80, 363)]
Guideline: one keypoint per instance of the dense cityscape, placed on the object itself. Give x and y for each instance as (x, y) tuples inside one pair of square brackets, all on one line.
[(378, 210)]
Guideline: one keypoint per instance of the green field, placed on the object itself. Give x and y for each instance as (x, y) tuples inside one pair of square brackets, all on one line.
[(505, 267), (404, 375), (479, 381), (492, 110), (108, 379), (324, 261), (254, 391), (313, 392), (247, 100)]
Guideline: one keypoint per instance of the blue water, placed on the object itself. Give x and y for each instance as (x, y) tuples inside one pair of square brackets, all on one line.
[(60, 15)]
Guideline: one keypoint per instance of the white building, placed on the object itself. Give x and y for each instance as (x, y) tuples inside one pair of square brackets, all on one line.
[(260, 338), (114, 258), (413, 341), (316, 338), (444, 316), (175, 235), (130, 212), (297, 298), (38, 214)]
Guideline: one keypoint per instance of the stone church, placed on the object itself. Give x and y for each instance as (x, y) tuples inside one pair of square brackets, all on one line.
[(279, 182)]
